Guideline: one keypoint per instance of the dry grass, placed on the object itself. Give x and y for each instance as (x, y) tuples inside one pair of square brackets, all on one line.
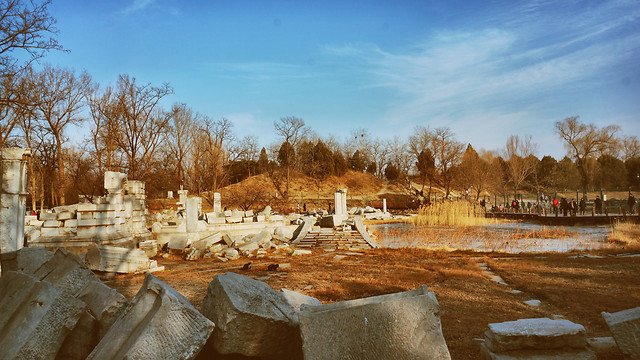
[(625, 234), (577, 288), (446, 213)]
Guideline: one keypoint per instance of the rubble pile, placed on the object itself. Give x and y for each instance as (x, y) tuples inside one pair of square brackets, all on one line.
[(61, 310), (116, 219)]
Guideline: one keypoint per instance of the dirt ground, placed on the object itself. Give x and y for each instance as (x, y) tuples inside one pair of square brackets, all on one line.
[(571, 286)]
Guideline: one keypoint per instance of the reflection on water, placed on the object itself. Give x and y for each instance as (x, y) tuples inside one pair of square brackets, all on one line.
[(502, 237)]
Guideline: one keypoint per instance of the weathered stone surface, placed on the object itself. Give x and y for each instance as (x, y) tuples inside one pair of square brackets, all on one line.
[(116, 259), (36, 317), (303, 229), (542, 333), (159, 324), (301, 252), (625, 327), (296, 299), (231, 254), (404, 325), (251, 318), (284, 232), (362, 229), (207, 241), (553, 354), (103, 306), (27, 259), (67, 272)]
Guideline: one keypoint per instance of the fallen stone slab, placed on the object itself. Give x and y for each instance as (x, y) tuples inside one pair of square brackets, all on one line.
[(160, 324), (36, 317), (194, 254), (541, 333), (27, 259), (404, 325), (67, 272), (117, 259), (303, 229), (551, 354), (207, 241), (625, 327), (103, 306), (251, 318), (301, 252)]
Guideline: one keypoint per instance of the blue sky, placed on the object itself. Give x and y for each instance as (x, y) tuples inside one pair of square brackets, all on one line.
[(486, 69)]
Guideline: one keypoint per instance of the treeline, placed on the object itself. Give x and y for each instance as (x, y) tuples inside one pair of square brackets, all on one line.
[(129, 130)]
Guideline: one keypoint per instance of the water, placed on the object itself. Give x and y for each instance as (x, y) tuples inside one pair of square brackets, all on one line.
[(500, 237)]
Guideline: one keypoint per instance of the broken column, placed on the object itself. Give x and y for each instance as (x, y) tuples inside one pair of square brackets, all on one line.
[(182, 198), (384, 205), (36, 317), (160, 324), (625, 327), (536, 338), (404, 325), (252, 319), (337, 196), (217, 203), (13, 198)]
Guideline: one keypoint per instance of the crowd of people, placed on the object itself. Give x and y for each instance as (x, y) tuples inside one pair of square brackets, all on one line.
[(553, 205)]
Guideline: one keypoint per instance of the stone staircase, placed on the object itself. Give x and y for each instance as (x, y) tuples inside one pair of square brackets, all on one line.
[(334, 239)]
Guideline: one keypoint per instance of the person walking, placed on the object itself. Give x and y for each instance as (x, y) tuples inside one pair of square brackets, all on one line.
[(573, 207), (582, 205), (598, 204), (632, 203), (564, 206), (555, 205)]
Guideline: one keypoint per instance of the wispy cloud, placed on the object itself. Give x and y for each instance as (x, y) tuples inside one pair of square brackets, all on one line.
[(142, 5), (137, 5), (460, 73), (260, 71)]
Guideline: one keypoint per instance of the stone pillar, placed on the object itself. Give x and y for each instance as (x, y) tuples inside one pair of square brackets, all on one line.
[(192, 214), (217, 203), (169, 194), (384, 205), (338, 202), (344, 202), (182, 197), (13, 196)]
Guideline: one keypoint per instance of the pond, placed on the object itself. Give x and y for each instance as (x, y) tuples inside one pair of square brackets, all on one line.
[(508, 237)]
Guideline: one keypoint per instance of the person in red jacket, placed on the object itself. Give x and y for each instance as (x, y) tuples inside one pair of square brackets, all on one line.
[(556, 203)]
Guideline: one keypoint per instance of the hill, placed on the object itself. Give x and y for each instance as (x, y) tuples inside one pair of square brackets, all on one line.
[(268, 189)]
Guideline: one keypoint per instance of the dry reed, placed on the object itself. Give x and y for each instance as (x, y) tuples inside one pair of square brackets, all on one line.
[(626, 234), (447, 213)]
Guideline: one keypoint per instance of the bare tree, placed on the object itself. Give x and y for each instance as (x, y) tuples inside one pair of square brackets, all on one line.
[(180, 139), (630, 147), (211, 154), (103, 108), (379, 156), (585, 141), (27, 32), (519, 154), (291, 129), (142, 124), (474, 172), (448, 153), (60, 100), (421, 139)]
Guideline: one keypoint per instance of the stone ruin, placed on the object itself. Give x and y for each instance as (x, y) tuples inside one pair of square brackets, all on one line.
[(229, 234), (54, 307)]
